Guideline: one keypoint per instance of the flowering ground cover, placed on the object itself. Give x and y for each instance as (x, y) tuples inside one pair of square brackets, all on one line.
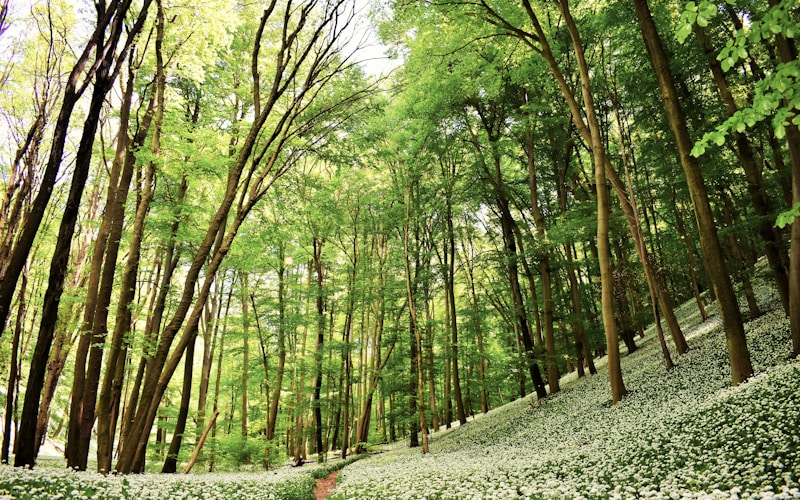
[(41, 483), (684, 434)]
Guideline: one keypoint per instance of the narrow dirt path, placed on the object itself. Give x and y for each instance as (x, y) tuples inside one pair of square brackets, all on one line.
[(325, 486)]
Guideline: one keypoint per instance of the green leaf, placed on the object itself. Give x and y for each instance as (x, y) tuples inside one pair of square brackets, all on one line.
[(683, 32), (780, 131), (698, 149), (787, 217), (702, 21), (742, 53)]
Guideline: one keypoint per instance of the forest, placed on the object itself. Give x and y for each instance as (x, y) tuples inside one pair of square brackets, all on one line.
[(240, 235)]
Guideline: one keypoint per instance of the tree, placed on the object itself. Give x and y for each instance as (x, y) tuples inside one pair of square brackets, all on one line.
[(741, 368), (259, 163), (107, 70)]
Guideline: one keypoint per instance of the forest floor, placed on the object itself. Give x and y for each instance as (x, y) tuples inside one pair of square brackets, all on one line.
[(684, 433), (680, 434)]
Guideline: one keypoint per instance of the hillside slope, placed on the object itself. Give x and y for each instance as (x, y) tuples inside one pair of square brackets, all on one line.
[(684, 434)]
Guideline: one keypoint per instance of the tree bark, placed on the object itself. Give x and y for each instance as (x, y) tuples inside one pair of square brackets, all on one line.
[(618, 390), (104, 78), (199, 446), (544, 267), (318, 349), (414, 330), (741, 368), (758, 197), (171, 462), (13, 375)]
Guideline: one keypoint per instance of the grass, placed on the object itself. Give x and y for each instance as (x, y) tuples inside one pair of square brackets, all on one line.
[(682, 434)]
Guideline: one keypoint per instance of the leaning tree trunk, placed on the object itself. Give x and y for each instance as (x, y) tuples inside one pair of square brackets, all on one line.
[(618, 390), (171, 462), (788, 53), (741, 368), (747, 158), (73, 90), (105, 76)]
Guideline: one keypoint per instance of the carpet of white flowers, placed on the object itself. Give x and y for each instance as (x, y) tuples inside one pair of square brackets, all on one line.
[(684, 434), (41, 483)]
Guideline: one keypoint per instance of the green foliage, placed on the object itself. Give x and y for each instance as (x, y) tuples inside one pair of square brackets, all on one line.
[(238, 450), (786, 218), (777, 95)]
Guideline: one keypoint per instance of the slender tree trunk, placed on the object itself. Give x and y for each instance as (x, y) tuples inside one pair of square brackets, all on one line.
[(210, 335), (759, 199), (245, 370), (218, 377), (741, 368), (276, 393), (201, 441), (618, 390), (318, 350), (414, 330), (544, 267), (690, 250), (450, 261), (171, 462), (13, 375), (105, 77)]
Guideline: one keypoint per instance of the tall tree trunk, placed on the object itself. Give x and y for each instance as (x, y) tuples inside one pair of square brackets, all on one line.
[(450, 262), (210, 332), (245, 370), (544, 267), (276, 392), (318, 349), (414, 330), (759, 199), (595, 140), (218, 377), (104, 79), (171, 462), (741, 368), (13, 375), (429, 357), (686, 236)]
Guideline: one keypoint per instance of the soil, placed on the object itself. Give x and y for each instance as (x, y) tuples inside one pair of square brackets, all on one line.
[(325, 486)]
